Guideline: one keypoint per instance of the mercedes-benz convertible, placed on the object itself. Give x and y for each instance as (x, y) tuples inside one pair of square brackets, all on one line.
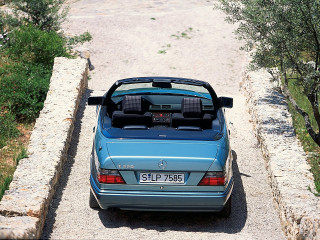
[(161, 144)]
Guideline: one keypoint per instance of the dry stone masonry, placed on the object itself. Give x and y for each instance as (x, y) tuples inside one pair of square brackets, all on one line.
[(285, 159), (24, 206)]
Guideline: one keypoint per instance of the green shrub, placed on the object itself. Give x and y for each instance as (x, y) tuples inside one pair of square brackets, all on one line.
[(23, 89), (46, 15), (2, 22), (33, 45), (7, 128), (7, 21), (25, 77)]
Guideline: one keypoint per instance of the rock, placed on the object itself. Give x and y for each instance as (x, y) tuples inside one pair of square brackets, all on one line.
[(85, 54), (19, 228)]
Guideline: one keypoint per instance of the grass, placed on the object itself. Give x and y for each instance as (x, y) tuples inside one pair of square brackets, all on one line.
[(310, 147), (23, 154), (177, 36), (162, 51), (11, 154), (183, 34), (5, 185)]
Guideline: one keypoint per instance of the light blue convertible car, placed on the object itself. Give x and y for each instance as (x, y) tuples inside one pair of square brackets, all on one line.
[(161, 144)]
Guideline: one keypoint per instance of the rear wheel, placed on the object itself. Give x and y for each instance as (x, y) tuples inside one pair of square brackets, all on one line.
[(226, 211), (93, 203)]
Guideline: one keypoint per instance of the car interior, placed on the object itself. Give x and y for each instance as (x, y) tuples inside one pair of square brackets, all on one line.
[(137, 112)]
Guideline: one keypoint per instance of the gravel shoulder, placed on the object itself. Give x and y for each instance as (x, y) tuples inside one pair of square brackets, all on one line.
[(127, 38)]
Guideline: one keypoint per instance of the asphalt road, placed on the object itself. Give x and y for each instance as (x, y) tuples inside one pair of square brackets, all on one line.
[(162, 38)]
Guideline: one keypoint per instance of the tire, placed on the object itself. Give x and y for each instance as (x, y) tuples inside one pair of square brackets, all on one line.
[(93, 203), (226, 211)]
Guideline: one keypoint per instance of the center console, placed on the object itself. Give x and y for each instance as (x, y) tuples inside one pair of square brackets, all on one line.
[(161, 118)]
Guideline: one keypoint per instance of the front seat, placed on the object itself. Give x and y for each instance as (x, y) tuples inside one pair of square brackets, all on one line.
[(192, 115), (132, 113)]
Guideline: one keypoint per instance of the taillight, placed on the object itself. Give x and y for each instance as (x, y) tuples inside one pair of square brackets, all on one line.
[(213, 179), (110, 177)]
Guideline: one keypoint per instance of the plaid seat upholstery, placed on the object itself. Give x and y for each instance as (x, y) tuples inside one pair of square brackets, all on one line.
[(192, 115), (131, 114), (191, 107), (132, 104)]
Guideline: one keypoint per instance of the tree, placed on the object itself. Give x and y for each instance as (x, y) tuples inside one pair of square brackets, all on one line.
[(46, 15), (283, 34)]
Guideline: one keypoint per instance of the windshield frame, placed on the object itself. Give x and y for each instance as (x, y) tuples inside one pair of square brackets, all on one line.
[(117, 84)]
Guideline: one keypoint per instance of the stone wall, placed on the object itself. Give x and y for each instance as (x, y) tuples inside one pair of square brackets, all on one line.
[(24, 206), (285, 159)]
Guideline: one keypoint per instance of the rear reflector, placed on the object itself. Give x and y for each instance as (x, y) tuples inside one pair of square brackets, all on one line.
[(110, 177), (213, 179)]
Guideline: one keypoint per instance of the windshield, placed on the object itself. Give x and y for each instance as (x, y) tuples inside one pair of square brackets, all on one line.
[(172, 88)]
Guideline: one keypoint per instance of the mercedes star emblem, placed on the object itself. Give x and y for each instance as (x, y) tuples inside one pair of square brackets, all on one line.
[(162, 164)]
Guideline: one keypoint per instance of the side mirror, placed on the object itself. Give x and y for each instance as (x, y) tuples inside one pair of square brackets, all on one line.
[(226, 102), (95, 100)]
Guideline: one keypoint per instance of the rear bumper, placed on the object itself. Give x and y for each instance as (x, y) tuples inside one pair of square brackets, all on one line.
[(162, 201)]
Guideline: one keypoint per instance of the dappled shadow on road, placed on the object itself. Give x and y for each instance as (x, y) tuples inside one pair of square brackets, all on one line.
[(50, 219), (186, 222)]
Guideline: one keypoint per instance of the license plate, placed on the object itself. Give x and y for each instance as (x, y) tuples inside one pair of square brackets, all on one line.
[(176, 178)]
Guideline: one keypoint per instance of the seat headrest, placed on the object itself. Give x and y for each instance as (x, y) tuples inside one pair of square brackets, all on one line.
[(132, 104), (191, 107)]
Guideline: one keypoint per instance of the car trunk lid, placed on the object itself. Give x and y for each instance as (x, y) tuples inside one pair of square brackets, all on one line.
[(155, 155)]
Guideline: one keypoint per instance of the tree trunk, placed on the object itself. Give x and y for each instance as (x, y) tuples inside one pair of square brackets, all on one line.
[(312, 133), (313, 99)]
